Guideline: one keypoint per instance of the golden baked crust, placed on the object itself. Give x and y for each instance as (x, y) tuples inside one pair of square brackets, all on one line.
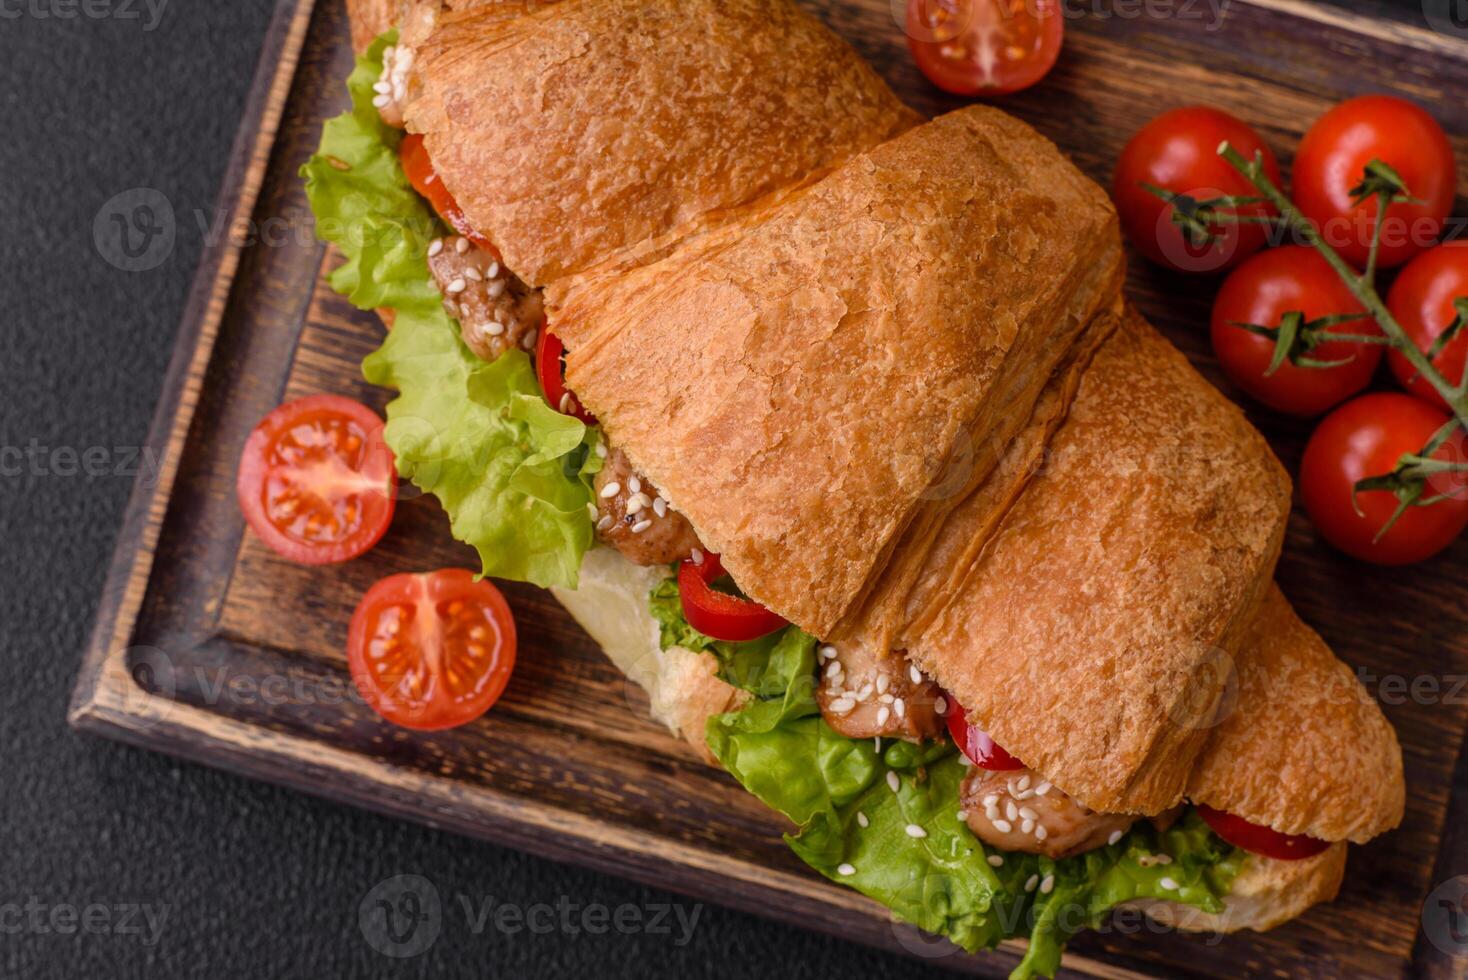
[(1086, 638), (796, 380), (1265, 893), (590, 126), (1306, 750)]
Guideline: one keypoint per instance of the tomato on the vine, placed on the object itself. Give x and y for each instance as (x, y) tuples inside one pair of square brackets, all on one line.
[(984, 47), (1178, 152), (1425, 300), (1332, 161), (1367, 437), (1294, 279)]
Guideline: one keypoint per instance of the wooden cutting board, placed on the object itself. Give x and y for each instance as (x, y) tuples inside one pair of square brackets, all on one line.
[(209, 647)]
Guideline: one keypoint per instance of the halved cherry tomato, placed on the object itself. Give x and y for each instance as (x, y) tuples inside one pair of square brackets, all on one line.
[(551, 370), (1291, 279), (984, 47), (1260, 839), (425, 180), (316, 481), (432, 651), (1366, 437), (719, 614), (1178, 152), (1422, 300), (975, 743), (1332, 160)]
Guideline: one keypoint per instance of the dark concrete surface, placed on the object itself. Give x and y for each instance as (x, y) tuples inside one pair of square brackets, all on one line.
[(116, 862)]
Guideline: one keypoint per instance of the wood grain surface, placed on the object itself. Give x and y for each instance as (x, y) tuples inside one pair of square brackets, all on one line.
[(210, 647)]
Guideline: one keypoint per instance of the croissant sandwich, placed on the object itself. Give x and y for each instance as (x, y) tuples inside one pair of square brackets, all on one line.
[(831, 426)]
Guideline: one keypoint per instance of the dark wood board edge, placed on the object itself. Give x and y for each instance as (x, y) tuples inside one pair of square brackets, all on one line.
[(133, 553), (103, 680)]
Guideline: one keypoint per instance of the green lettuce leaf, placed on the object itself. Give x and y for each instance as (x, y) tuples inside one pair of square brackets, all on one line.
[(854, 828), (513, 475)]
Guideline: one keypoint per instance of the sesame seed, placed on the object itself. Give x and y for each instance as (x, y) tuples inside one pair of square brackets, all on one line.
[(992, 813), (1010, 810), (495, 289), (913, 830), (472, 274), (883, 714), (697, 556), (494, 328), (845, 869), (828, 651), (865, 693), (1164, 859), (893, 781), (900, 707), (1027, 813), (641, 526), (528, 341), (604, 523), (461, 245), (457, 286), (434, 247), (601, 453), (634, 503), (1040, 832), (833, 668), (635, 485), (885, 698), (940, 707), (878, 739), (380, 100), (611, 490), (565, 405), (961, 814), (1169, 884), (861, 819), (1048, 885), (493, 271), (1031, 882), (842, 705), (991, 799), (1042, 789), (883, 682), (1024, 782), (1028, 827), (915, 674), (591, 509), (1003, 826), (660, 507), (382, 86), (995, 860), (1115, 836)]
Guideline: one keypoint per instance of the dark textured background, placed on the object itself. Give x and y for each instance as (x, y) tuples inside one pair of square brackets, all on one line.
[(258, 882)]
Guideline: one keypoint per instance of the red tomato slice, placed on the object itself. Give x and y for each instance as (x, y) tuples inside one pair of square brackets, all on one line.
[(984, 47), (1260, 839), (1332, 160), (1178, 152), (1366, 437), (432, 651), (975, 743), (551, 371), (718, 614), (425, 180), (1291, 279), (316, 481), (1422, 300)]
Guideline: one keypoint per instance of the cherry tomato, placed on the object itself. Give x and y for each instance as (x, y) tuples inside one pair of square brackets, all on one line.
[(984, 47), (316, 481), (432, 651), (973, 742), (719, 614), (551, 371), (1366, 437), (1260, 839), (1178, 152), (1292, 279), (1422, 301), (425, 180), (1332, 160)]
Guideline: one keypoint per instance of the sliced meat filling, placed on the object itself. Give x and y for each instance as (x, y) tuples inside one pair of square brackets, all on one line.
[(866, 695), (496, 311), (1019, 810), (635, 519)]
